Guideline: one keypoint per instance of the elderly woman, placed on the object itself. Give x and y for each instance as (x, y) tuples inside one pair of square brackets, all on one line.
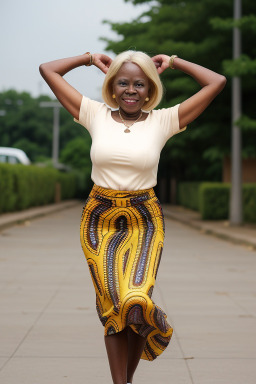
[(122, 225)]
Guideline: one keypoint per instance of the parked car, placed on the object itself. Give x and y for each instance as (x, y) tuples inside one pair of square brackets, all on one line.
[(13, 156)]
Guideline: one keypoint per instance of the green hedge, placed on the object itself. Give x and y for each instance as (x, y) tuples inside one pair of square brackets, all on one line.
[(213, 199), (249, 202), (188, 195), (26, 186)]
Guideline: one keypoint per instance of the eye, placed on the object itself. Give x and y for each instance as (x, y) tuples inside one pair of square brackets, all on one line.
[(139, 85), (122, 83)]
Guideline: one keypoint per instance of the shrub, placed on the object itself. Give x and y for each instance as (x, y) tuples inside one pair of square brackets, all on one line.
[(188, 195), (68, 185), (26, 186), (7, 188), (214, 201), (249, 202)]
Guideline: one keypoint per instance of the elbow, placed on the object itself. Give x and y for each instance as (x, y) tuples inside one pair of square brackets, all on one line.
[(42, 69), (218, 84), (222, 82)]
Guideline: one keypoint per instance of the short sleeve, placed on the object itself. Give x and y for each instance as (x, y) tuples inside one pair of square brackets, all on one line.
[(169, 121), (88, 110)]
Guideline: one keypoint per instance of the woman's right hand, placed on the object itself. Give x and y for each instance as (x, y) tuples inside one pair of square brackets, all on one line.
[(54, 71), (101, 61)]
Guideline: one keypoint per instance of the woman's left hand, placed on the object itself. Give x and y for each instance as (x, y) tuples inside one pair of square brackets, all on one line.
[(161, 62)]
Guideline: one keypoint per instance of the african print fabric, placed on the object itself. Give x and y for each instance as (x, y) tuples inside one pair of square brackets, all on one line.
[(122, 235)]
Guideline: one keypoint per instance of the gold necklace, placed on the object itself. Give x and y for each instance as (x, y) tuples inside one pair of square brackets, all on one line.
[(127, 130)]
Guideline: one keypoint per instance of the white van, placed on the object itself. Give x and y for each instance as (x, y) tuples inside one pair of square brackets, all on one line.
[(13, 156)]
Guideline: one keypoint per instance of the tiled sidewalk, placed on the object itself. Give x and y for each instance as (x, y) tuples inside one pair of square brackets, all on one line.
[(12, 218), (50, 332), (244, 234)]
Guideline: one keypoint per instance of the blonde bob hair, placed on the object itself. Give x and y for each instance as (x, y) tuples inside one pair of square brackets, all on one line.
[(147, 66)]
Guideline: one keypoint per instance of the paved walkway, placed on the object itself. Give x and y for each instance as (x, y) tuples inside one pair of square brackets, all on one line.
[(50, 333), (243, 234), (12, 218)]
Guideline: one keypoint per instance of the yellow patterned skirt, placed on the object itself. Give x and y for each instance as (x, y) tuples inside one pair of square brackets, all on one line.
[(122, 234)]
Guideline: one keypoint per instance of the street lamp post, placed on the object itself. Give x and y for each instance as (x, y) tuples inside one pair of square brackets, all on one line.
[(56, 128), (236, 165)]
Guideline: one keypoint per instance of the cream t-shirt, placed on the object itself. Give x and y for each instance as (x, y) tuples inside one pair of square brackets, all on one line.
[(126, 161)]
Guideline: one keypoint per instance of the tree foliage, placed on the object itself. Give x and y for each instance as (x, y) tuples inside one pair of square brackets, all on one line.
[(201, 32), (27, 126), (77, 154)]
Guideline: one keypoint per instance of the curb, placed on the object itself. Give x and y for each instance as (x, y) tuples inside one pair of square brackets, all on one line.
[(8, 220), (210, 231)]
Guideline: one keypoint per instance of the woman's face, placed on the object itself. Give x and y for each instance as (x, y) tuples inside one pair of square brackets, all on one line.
[(131, 87)]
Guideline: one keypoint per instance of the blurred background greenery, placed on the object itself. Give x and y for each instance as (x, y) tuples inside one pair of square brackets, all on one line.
[(198, 31), (201, 32)]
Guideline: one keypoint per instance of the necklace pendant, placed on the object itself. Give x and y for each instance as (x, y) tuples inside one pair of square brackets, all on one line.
[(127, 130)]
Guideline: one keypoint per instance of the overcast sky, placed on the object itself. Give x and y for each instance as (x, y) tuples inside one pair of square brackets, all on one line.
[(37, 31)]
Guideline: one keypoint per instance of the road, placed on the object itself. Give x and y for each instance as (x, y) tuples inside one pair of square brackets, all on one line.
[(50, 332)]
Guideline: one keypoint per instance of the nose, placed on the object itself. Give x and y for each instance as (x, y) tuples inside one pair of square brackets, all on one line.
[(130, 89)]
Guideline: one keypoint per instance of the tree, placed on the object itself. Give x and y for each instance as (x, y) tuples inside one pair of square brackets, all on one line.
[(244, 67), (25, 125), (77, 154), (189, 29)]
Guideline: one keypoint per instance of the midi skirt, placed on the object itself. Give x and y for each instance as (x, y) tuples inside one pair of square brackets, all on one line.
[(122, 235)]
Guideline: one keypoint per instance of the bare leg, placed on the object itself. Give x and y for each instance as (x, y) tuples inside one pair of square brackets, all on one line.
[(136, 345), (117, 350)]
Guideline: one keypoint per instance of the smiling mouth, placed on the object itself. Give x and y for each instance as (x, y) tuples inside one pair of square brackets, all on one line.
[(130, 101)]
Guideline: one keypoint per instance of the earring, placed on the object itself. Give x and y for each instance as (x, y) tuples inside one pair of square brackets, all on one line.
[(147, 99), (114, 96)]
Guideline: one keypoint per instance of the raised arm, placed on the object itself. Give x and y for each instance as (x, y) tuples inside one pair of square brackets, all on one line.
[(54, 71), (211, 82)]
